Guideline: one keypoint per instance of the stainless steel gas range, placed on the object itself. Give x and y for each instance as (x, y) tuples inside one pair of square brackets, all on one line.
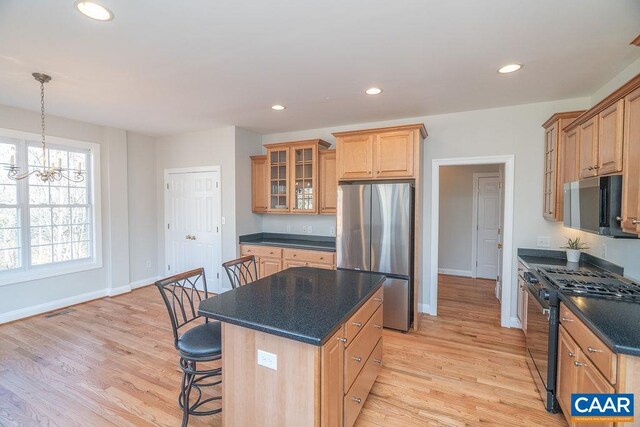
[(544, 285)]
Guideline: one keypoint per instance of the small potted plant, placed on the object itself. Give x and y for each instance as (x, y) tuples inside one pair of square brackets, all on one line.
[(574, 249)]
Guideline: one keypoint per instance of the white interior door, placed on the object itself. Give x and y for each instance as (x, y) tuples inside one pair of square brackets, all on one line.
[(193, 224), (500, 230), (488, 223)]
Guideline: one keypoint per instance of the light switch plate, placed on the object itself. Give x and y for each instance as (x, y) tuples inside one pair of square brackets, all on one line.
[(309, 229), (544, 241), (268, 360), (332, 231), (304, 228)]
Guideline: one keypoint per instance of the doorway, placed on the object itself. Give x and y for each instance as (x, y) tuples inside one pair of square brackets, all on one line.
[(503, 280), (193, 215), (485, 229)]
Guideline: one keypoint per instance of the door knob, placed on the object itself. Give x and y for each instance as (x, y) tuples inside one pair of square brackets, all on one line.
[(499, 245)]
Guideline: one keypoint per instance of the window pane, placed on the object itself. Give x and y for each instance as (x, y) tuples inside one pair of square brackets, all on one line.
[(78, 196), (6, 151), (80, 250), (79, 215), (61, 216), (38, 195), (41, 255), (40, 216), (9, 238), (41, 235), (62, 252), (59, 195), (8, 217), (80, 232), (9, 259), (8, 194), (61, 233)]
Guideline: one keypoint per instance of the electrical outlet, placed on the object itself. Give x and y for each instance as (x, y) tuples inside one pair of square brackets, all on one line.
[(309, 229), (223, 220), (603, 250), (288, 229), (304, 228), (332, 231), (544, 241), (268, 360)]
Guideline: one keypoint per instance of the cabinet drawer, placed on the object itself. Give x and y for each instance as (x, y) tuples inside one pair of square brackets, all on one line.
[(601, 356), (261, 251), (357, 354), (358, 320), (317, 257), (355, 398)]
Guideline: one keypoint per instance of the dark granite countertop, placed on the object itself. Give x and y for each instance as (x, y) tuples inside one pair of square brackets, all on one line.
[(296, 241), (303, 304), (616, 323)]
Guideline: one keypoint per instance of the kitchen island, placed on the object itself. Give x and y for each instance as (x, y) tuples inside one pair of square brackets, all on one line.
[(301, 347)]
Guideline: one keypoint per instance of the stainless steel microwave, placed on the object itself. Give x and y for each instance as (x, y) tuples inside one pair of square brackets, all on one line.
[(594, 205)]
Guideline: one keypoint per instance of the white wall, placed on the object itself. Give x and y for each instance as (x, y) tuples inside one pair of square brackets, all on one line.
[(456, 217), (229, 148), (143, 223), (625, 75), (28, 298)]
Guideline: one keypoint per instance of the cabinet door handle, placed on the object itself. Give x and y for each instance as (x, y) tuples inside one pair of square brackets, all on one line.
[(619, 218), (635, 221), (378, 299), (377, 361), (571, 354), (566, 319), (357, 324), (342, 339), (357, 400), (357, 359), (578, 364), (596, 167), (369, 172), (377, 326), (590, 168), (593, 350)]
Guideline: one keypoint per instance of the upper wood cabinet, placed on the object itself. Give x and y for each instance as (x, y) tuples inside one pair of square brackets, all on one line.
[(588, 148), (328, 182), (259, 184), (631, 172), (569, 155), (386, 153), (558, 151), (610, 142), (292, 176)]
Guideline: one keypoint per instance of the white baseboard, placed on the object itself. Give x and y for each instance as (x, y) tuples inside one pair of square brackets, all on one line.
[(50, 306), (454, 272), (144, 282), (514, 322), (112, 292)]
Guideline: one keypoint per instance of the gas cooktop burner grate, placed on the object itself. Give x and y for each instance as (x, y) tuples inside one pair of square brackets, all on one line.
[(581, 273)]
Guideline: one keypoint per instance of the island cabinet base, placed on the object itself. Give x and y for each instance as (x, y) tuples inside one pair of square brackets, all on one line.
[(311, 385)]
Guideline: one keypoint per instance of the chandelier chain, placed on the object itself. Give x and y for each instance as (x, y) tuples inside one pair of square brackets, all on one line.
[(44, 151)]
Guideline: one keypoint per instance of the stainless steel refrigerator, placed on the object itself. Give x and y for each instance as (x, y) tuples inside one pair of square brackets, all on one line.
[(375, 233)]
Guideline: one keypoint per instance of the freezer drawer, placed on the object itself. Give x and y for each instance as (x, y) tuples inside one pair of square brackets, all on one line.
[(397, 313)]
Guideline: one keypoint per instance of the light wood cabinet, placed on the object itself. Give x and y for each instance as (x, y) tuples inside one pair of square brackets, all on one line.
[(631, 170), (328, 182), (393, 154), (559, 153), (386, 153), (259, 184), (291, 176), (523, 302), (570, 168), (610, 141), (332, 381), (586, 365), (272, 259), (588, 148), (268, 266)]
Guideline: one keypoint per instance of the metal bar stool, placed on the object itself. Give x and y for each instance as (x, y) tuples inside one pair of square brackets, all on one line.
[(242, 270), (200, 343)]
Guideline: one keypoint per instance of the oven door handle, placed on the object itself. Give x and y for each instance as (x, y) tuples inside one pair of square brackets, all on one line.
[(545, 311)]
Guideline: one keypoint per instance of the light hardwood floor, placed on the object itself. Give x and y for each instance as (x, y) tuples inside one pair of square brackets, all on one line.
[(112, 362)]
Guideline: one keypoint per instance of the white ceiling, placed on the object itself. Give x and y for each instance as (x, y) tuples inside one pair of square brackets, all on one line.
[(167, 66)]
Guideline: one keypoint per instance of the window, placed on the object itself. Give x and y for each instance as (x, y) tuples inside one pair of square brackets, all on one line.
[(45, 226)]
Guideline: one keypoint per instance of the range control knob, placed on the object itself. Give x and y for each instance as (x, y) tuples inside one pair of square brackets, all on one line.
[(544, 294)]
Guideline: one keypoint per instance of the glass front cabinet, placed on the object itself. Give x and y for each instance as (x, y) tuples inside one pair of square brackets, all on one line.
[(293, 175)]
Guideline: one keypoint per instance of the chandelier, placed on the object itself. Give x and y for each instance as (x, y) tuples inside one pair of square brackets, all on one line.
[(45, 173)]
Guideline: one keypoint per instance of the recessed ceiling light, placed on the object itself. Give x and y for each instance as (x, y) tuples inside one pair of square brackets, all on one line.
[(373, 91), (278, 107), (94, 10), (510, 68)]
